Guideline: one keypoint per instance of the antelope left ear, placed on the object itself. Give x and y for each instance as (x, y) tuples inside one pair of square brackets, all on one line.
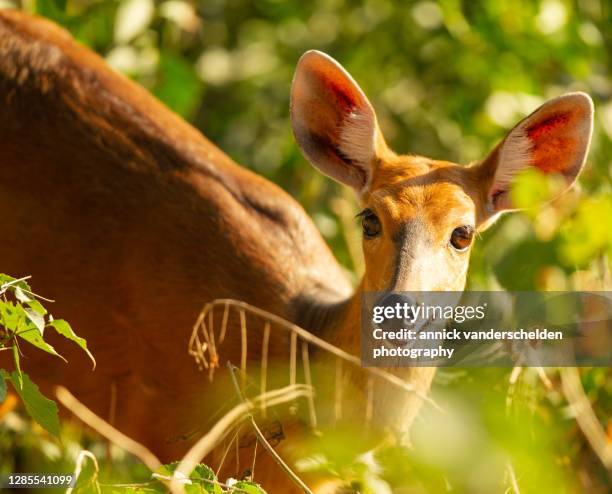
[(333, 122), (554, 139)]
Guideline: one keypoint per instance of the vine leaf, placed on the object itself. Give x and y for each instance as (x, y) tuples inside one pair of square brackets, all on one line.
[(63, 328), (39, 407)]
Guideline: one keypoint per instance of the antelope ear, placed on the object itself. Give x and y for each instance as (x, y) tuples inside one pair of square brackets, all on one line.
[(554, 139), (333, 122)]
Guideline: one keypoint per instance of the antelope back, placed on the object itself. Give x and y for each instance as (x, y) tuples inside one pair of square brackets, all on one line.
[(131, 220)]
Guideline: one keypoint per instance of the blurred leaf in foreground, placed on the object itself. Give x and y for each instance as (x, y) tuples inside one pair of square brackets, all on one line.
[(588, 233)]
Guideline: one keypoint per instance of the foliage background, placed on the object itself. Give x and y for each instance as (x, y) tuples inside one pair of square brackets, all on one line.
[(447, 80)]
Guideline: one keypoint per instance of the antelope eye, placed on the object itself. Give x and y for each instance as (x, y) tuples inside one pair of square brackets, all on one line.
[(370, 223), (461, 238)]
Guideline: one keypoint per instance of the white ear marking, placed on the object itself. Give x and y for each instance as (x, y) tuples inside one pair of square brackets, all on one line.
[(357, 138), (515, 155)]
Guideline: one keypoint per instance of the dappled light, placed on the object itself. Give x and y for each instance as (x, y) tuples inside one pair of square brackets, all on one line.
[(446, 79)]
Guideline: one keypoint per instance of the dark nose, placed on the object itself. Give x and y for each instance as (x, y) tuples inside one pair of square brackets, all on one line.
[(395, 298), (402, 304)]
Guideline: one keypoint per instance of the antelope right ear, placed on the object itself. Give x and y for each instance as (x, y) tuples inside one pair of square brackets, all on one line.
[(333, 122), (554, 140)]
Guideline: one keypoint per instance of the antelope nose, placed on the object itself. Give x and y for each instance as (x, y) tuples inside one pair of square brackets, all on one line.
[(401, 317), (402, 302)]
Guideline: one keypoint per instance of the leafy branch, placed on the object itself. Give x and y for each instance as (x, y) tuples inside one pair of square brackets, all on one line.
[(23, 318)]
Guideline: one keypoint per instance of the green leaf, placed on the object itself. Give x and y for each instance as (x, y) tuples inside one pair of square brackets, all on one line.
[(207, 477), (10, 283), (63, 328), (531, 189), (53, 9), (36, 319), (523, 275), (21, 296), (203, 479), (5, 278), (2, 387), (40, 408), (33, 336), (10, 315), (249, 487), (588, 233), (37, 307)]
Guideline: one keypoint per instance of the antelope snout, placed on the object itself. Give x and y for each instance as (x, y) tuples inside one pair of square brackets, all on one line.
[(398, 311), (398, 300)]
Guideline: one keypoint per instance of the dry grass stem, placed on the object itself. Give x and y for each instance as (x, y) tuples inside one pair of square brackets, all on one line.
[(79, 466), (235, 416), (106, 430), (264, 365), (283, 325), (585, 416), (312, 412)]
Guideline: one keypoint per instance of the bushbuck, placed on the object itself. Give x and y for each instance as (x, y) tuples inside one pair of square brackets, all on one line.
[(131, 220)]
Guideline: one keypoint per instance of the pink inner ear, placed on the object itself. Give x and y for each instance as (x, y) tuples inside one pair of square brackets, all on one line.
[(345, 98), (553, 143)]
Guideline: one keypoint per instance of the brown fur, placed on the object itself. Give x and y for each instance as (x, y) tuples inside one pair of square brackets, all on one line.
[(131, 220)]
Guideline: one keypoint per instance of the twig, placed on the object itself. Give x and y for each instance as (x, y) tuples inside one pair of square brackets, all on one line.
[(293, 358), (213, 348), (512, 479), (512, 383), (6, 285), (264, 364), (338, 391), (312, 411), (29, 292), (243, 347), (544, 378), (79, 466), (229, 446), (320, 343), (264, 442), (254, 461), (141, 452), (236, 415), (105, 429), (585, 416)]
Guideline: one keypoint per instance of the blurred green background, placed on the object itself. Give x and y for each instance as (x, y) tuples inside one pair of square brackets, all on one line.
[(447, 80)]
